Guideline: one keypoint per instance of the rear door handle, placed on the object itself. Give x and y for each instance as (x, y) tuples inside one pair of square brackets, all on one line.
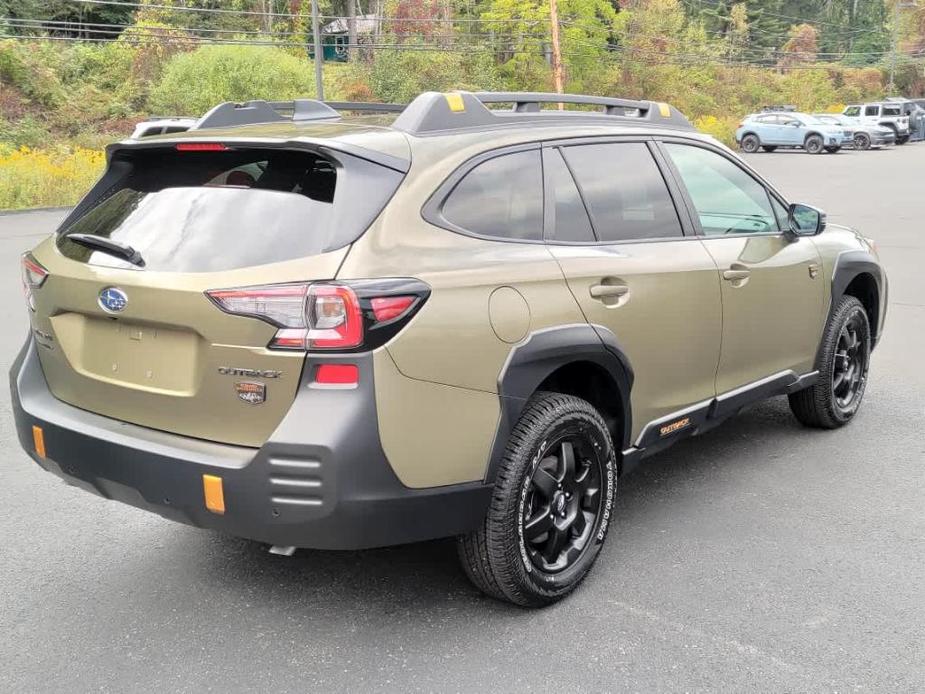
[(606, 291), (736, 274)]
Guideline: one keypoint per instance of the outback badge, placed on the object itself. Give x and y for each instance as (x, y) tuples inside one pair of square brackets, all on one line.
[(251, 392)]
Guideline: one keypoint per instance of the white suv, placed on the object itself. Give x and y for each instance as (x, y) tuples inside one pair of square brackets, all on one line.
[(889, 115)]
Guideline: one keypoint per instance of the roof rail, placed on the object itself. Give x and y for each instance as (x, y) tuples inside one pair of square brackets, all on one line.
[(366, 106), (433, 112)]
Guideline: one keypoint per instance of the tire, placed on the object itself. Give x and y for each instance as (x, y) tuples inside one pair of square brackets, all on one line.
[(827, 404), (769, 148), (861, 141), (902, 139), (500, 557), (814, 144), (750, 143)]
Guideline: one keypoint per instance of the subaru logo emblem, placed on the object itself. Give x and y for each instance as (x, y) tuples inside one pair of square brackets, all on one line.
[(113, 300)]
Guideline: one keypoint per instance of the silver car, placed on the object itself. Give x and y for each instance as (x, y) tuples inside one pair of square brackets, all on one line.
[(865, 135)]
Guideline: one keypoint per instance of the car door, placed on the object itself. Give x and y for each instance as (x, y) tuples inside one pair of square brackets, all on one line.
[(792, 131), (872, 114), (613, 226), (772, 284)]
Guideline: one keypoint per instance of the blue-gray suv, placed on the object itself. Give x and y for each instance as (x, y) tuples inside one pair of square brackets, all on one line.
[(768, 131)]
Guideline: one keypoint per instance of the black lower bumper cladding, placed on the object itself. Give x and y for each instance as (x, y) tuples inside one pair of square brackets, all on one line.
[(321, 481)]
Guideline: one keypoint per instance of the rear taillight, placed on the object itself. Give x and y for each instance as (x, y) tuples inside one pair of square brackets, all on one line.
[(33, 277), (326, 316)]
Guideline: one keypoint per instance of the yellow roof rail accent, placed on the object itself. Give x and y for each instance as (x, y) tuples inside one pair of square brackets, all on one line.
[(455, 102), (664, 109)]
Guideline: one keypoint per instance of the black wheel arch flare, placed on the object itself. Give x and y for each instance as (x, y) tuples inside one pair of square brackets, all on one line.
[(544, 352), (850, 265)]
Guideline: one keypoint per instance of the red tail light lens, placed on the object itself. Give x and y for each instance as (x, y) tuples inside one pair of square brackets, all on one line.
[(327, 316), (33, 277), (334, 318), (386, 308)]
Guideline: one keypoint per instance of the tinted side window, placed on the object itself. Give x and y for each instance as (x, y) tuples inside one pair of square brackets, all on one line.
[(568, 218), (872, 111), (727, 199), (625, 193), (853, 111), (892, 111), (501, 197)]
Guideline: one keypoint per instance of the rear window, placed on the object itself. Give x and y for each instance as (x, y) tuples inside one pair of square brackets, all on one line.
[(216, 211), (892, 110)]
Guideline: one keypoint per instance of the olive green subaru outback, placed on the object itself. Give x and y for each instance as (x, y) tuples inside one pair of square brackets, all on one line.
[(464, 317)]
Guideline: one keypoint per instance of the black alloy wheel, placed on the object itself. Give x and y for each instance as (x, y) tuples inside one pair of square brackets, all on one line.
[(843, 364), (551, 504), (750, 143), (861, 141), (813, 144), (562, 503), (851, 363)]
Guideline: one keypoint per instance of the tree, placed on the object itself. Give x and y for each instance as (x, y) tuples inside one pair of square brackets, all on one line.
[(801, 46)]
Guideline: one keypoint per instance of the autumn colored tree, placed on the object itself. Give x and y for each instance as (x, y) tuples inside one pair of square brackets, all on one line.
[(801, 47)]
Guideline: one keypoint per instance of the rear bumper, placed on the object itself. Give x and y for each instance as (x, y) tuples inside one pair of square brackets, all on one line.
[(321, 481)]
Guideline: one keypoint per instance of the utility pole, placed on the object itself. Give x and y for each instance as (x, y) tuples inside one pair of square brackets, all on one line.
[(351, 29), (556, 48), (319, 50)]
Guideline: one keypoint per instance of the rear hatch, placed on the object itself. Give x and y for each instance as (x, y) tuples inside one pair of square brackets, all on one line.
[(139, 339)]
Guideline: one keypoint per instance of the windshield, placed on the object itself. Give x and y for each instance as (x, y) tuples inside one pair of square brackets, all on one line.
[(215, 211)]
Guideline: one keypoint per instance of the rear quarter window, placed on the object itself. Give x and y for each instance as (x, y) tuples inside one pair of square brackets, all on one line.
[(501, 198)]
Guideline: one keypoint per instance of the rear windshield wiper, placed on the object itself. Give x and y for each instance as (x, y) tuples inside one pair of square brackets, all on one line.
[(101, 243)]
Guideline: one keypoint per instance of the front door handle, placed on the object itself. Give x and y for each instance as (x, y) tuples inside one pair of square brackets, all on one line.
[(608, 291), (734, 274)]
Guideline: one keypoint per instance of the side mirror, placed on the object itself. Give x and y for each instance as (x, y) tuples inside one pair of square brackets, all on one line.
[(805, 220)]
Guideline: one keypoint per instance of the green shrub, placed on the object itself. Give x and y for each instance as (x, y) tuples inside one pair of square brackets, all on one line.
[(400, 75), (27, 131), (194, 82)]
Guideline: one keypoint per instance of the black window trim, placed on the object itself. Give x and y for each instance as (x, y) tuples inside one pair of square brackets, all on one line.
[(688, 231), (769, 190), (432, 211)]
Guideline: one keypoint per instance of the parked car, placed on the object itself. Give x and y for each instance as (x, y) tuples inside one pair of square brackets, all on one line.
[(283, 330), (865, 136), (160, 126), (888, 115), (915, 110), (769, 131)]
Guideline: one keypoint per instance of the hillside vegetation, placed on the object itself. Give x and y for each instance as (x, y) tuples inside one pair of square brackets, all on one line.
[(68, 87)]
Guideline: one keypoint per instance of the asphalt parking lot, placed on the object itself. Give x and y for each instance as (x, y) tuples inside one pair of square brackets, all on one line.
[(759, 557)]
